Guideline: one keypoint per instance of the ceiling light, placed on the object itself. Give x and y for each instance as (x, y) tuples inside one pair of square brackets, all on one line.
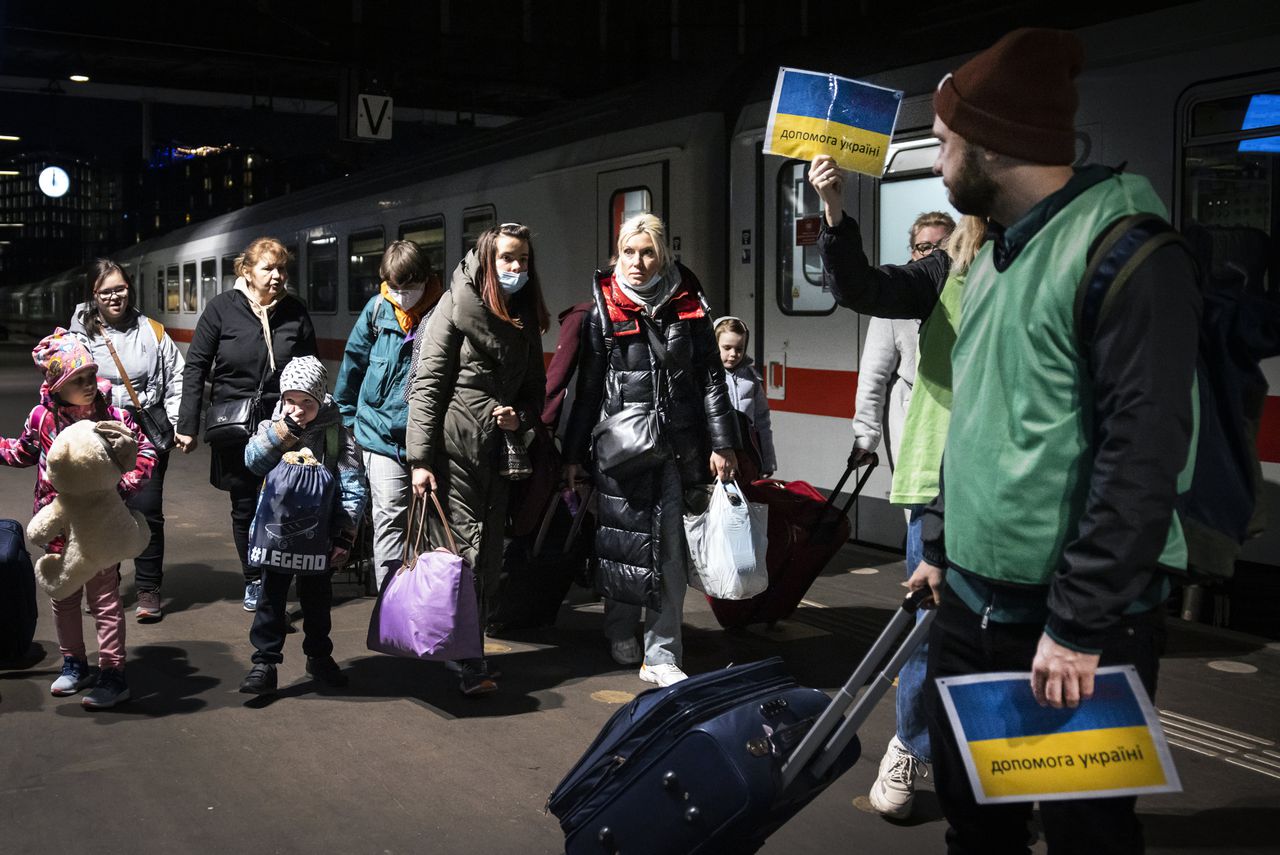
[(79, 78), (11, 225), (9, 137), (9, 172)]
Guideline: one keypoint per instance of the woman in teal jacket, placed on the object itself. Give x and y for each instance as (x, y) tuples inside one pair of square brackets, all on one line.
[(370, 392)]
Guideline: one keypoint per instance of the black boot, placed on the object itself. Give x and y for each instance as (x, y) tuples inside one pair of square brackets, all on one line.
[(261, 680), (326, 671)]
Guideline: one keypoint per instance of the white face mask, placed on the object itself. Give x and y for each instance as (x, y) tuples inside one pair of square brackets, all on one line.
[(406, 299), (512, 282)]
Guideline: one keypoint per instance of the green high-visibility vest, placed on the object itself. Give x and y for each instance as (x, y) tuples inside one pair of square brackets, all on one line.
[(1019, 453)]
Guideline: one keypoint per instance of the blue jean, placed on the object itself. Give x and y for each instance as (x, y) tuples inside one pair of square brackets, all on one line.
[(913, 722)]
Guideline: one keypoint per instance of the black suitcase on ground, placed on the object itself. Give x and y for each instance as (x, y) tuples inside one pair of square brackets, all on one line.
[(718, 762), (17, 595), (538, 569)]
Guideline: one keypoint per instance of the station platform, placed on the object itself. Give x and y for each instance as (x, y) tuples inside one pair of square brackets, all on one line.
[(400, 762)]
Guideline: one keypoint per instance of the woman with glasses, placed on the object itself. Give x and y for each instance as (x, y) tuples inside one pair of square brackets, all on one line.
[(478, 388), (124, 341)]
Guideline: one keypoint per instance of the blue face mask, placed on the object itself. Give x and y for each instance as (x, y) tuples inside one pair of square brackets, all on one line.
[(512, 282)]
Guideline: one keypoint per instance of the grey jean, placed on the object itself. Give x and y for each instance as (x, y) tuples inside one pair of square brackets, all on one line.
[(390, 486)]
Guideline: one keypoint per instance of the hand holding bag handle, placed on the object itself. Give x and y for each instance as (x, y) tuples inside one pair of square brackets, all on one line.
[(416, 533)]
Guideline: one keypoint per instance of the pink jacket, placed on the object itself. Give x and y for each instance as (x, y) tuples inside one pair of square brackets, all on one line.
[(49, 417)]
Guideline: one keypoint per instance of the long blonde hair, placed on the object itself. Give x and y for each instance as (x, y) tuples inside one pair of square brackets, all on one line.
[(965, 241)]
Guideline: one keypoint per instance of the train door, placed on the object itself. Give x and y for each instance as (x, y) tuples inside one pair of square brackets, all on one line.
[(623, 193)]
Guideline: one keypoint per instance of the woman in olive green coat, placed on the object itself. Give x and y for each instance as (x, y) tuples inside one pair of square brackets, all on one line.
[(480, 372)]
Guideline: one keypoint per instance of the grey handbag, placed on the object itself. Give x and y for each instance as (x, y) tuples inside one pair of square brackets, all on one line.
[(629, 441)]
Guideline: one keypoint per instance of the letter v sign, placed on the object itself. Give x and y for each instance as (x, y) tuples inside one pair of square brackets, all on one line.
[(373, 118)]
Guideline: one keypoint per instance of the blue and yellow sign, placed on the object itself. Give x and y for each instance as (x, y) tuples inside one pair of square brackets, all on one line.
[(1017, 751), (816, 113)]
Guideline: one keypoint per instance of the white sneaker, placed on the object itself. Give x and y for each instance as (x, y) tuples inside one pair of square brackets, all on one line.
[(626, 652), (666, 674), (895, 787)]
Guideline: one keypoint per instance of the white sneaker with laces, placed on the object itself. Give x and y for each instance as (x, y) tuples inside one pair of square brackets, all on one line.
[(895, 787), (626, 652), (666, 674)]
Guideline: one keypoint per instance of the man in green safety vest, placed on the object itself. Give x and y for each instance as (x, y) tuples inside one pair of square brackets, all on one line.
[(1048, 546)]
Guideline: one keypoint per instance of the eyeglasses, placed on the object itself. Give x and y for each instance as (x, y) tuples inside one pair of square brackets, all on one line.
[(108, 293), (926, 247)]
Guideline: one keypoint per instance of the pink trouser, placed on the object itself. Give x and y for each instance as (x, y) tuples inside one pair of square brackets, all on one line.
[(103, 595)]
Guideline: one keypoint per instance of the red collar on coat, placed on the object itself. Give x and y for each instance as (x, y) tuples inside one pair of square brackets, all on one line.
[(624, 312)]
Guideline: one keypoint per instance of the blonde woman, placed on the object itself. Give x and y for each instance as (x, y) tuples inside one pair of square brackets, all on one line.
[(242, 340), (649, 339), (928, 289)]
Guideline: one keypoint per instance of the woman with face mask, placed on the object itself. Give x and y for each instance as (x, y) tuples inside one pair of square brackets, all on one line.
[(649, 340), (371, 390), (243, 339), (478, 384)]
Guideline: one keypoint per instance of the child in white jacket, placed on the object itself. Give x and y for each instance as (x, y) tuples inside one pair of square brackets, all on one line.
[(746, 389)]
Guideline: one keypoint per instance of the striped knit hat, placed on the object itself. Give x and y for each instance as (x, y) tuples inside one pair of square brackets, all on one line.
[(305, 374), (61, 356)]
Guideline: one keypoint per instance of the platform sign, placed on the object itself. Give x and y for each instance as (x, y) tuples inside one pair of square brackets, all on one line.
[(815, 113), (373, 117), (1018, 751)]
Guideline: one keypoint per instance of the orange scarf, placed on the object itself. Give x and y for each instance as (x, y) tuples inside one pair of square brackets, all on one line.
[(409, 318)]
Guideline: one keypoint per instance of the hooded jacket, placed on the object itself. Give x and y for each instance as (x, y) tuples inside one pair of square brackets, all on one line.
[(693, 407), (747, 395), (472, 361), (154, 364)]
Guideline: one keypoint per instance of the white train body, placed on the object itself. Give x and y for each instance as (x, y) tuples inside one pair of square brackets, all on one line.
[(730, 211)]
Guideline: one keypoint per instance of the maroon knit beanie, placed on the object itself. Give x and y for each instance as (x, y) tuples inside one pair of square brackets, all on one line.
[(1017, 97)]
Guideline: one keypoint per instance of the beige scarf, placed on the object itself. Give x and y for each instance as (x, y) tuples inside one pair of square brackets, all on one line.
[(264, 315)]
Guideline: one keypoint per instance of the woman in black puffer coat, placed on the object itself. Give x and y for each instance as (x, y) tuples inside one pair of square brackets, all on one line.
[(640, 540)]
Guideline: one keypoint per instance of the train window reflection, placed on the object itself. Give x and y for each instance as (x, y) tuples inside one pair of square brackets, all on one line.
[(362, 267), (322, 275), (625, 204), (800, 288), (428, 234), (208, 280), (172, 300), (228, 273), (190, 296), (1230, 186), (474, 222), (160, 300)]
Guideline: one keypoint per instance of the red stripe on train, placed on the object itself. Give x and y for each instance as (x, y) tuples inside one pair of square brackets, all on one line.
[(826, 392)]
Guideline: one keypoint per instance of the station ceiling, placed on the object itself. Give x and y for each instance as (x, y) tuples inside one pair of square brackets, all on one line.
[(508, 58)]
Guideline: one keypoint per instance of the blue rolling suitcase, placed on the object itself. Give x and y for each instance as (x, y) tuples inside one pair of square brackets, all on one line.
[(17, 595), (718, 762)]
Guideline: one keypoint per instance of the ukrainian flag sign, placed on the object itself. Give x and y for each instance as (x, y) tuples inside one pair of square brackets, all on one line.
[(1018, 751), (816, 113)]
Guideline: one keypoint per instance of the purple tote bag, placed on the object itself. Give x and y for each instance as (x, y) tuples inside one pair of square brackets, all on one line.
[(428, 608)]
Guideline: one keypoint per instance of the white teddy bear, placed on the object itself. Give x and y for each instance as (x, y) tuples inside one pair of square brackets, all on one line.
[(84, 465)]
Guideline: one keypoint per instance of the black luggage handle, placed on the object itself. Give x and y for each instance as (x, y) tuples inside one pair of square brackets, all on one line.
[(833, 731), (872, 461)]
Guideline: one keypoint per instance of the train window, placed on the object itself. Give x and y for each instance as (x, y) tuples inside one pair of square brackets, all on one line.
[(160, 300), (474, 222), (172, 301), (1230, 180), (625, 204), (208, 280), (322, 274), (228, 272), (362, 269), (190, 296), (800, 288), (428, 234), (901, 202), (291, 264)]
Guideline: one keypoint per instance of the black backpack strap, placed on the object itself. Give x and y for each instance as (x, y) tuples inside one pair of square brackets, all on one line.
[(1123, 247)]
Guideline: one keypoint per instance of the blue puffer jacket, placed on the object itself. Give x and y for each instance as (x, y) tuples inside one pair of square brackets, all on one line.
[(371, 383)]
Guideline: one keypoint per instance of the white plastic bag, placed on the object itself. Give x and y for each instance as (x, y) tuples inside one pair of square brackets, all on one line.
[(727, 544)]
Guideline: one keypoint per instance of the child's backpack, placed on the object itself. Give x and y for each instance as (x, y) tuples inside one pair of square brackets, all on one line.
[(1238, 329), (292, 526)]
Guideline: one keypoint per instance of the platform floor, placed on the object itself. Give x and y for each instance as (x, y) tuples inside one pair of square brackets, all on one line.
[(400, 762)]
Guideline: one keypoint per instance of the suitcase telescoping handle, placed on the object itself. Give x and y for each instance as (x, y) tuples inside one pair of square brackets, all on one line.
[(833, 731), (825, 517)]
